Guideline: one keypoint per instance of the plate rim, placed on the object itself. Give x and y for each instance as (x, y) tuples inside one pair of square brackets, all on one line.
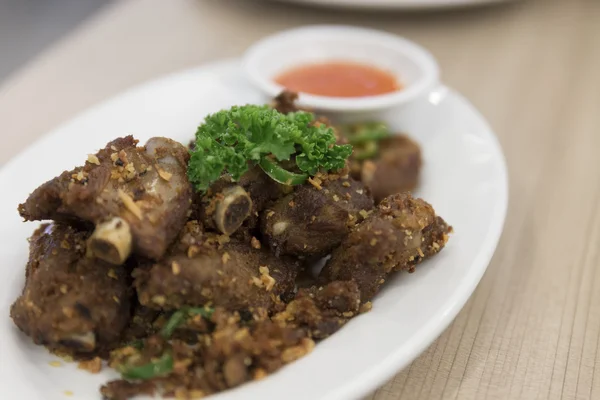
[(381, 5), (405, 354), (392, 365)]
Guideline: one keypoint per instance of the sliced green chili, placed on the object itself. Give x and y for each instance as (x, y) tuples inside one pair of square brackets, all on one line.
[(163, 365), (281, 175), (366, 151), (179, 317), (365, 132), (160, 367), (136, 344)]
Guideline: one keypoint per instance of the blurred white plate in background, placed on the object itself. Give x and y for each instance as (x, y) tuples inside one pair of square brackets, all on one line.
[(464, 177), (395, 4)]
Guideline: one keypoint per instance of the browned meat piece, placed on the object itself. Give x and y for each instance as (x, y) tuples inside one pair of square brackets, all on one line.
[(285, 102), (321, 311), (205, 268), (394, 170), (138, 196), (238, 350), (141, 324), (400, 233), (234, 353), (315, 218), (71, 303), (225, 206)]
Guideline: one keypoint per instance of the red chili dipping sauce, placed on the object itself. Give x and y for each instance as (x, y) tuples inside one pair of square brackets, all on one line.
[(339, 79)]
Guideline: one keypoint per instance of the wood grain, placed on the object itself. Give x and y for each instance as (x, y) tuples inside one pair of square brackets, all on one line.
[(532, 328)]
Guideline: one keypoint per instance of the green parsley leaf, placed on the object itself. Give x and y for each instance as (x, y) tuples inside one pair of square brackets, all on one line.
[(233, 140)]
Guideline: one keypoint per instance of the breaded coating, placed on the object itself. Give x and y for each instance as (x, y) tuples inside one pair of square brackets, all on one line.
[(145, 187), (233, 353), (71, 303), (205, 268), (322, 310), (316, 217), (395, 169), (400, 233)]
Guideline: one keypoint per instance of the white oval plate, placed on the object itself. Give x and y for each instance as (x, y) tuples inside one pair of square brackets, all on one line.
[(464, 177), (395, 4)]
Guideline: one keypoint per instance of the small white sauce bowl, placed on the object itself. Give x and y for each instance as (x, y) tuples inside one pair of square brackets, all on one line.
[(412, 65)]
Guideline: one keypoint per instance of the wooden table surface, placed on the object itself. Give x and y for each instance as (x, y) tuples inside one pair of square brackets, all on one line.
[(532, 328)]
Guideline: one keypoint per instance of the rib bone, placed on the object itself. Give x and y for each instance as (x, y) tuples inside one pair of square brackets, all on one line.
[(111, 241)]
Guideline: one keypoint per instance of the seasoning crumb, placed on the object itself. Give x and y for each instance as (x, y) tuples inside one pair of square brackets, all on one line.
[(316, 182), (159, 299), (225, 257), (123, 157), (164, 174), (266, 278), (55, 364), (192, 251), (130, 204), (259, 373), (346, 184), (176, 268), (293, 353), (255, 243), (336, 198), (129, 172), (366, 307), (364, 213), (93, 366), (93, 159), (111, 273)]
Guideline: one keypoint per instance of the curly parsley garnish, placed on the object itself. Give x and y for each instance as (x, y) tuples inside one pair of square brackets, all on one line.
[(233, 140)]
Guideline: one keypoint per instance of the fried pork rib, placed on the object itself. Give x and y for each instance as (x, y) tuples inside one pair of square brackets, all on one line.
[(395, 169), (233, 353), (70, 303), (400, 233), (205, 268), (315, 218), (138, 197), (238, 350)]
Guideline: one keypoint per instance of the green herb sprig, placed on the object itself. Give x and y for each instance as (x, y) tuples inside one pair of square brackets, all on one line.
[(233, 140)]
